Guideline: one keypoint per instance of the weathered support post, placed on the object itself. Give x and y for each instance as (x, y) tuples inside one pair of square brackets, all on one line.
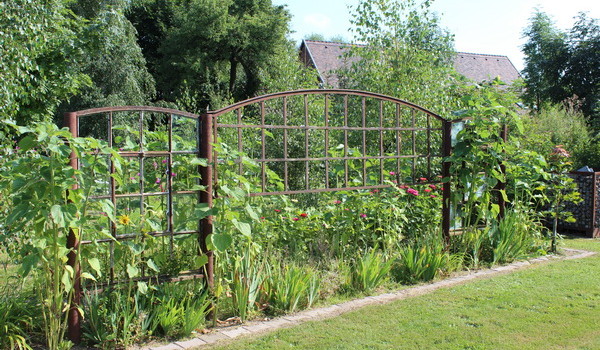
[(501, 186), (73, 240), (446, 187), (206, 196)]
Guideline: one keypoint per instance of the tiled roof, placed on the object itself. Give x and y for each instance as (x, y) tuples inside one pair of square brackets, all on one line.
[(479, 67), (327, 57)]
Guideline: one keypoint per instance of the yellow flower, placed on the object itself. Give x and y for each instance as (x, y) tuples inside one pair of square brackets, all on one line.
[(124, 220)]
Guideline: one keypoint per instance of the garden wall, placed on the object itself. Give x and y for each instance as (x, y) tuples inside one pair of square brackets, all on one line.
[(587, 212)]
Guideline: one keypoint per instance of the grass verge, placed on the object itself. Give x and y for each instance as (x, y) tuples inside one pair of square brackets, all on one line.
[(553, 305)]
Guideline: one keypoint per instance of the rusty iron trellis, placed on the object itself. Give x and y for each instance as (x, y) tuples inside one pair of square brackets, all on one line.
[(368, 111)]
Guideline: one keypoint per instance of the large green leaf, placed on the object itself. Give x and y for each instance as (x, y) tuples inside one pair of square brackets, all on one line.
[(221, 241)]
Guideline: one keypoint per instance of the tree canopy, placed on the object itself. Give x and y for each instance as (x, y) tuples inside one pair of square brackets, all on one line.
[(406, 53), (561, 65)]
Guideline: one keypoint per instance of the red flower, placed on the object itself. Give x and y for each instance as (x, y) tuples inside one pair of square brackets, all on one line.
[(277, 210), (363, 215), (427, 190), (304, 215), (412, 191), (433, 187), (295, 219)]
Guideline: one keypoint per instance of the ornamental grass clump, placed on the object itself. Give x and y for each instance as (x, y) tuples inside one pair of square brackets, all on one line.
[(369, 271)]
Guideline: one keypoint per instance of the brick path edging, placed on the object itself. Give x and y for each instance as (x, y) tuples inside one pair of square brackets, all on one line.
[(256, 327)]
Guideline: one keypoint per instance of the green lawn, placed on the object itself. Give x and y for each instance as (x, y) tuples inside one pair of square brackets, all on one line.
[(554, 305)]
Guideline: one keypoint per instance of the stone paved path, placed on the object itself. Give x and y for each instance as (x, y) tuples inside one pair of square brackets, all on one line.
[(251, 328)]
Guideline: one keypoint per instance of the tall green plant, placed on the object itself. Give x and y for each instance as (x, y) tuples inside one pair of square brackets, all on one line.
[(46, 207)]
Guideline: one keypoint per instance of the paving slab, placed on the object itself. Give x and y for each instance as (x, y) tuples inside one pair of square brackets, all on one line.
[(190, 343), (235, 332)]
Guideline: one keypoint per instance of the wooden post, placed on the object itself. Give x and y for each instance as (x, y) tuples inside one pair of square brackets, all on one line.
[(206, 196), (73, 240)]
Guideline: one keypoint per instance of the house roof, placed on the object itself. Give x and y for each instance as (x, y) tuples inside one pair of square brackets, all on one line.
[(327, 57)]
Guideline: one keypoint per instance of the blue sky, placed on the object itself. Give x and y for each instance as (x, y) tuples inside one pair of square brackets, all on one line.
[(480, 26)]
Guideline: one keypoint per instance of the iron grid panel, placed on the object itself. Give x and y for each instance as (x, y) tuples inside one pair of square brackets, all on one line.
[(386, 136), (138, 154)]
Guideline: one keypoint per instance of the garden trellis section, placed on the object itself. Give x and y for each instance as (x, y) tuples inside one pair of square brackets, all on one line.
[(303, 141)]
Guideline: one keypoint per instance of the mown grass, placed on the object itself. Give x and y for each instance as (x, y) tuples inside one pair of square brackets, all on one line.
[(554, 305)]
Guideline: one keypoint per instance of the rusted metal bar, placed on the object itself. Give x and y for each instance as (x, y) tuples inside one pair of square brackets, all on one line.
[(306, 164), (446, 187), (381, 161), (320, 92), (170, 183), (285, 145), (239, 135), (113, 200), (206, 196), (414, 144), (313, 159), (262, 146), (364, 139), (326, 140), (345, 141), (150, 154), (428, 146), (73, 244), (135, 108), (398, 142), (155, 234), (146, 194)]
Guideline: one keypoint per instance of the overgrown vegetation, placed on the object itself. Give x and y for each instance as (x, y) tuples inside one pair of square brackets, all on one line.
[(274, 254)]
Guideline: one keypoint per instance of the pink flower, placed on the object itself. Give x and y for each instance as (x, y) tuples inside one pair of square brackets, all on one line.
[(157, 180), (412, 191), (283, 217), (432, 195), (427, 190), (295, 219), (262, 217), (392, 173), (346, 209), (173, 174), (363, 215), (433, 187), (403, 187), (164, 161), (423, 178), (138, 174), (155, 165), (132, 178), (277, 210), (337, 202)]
